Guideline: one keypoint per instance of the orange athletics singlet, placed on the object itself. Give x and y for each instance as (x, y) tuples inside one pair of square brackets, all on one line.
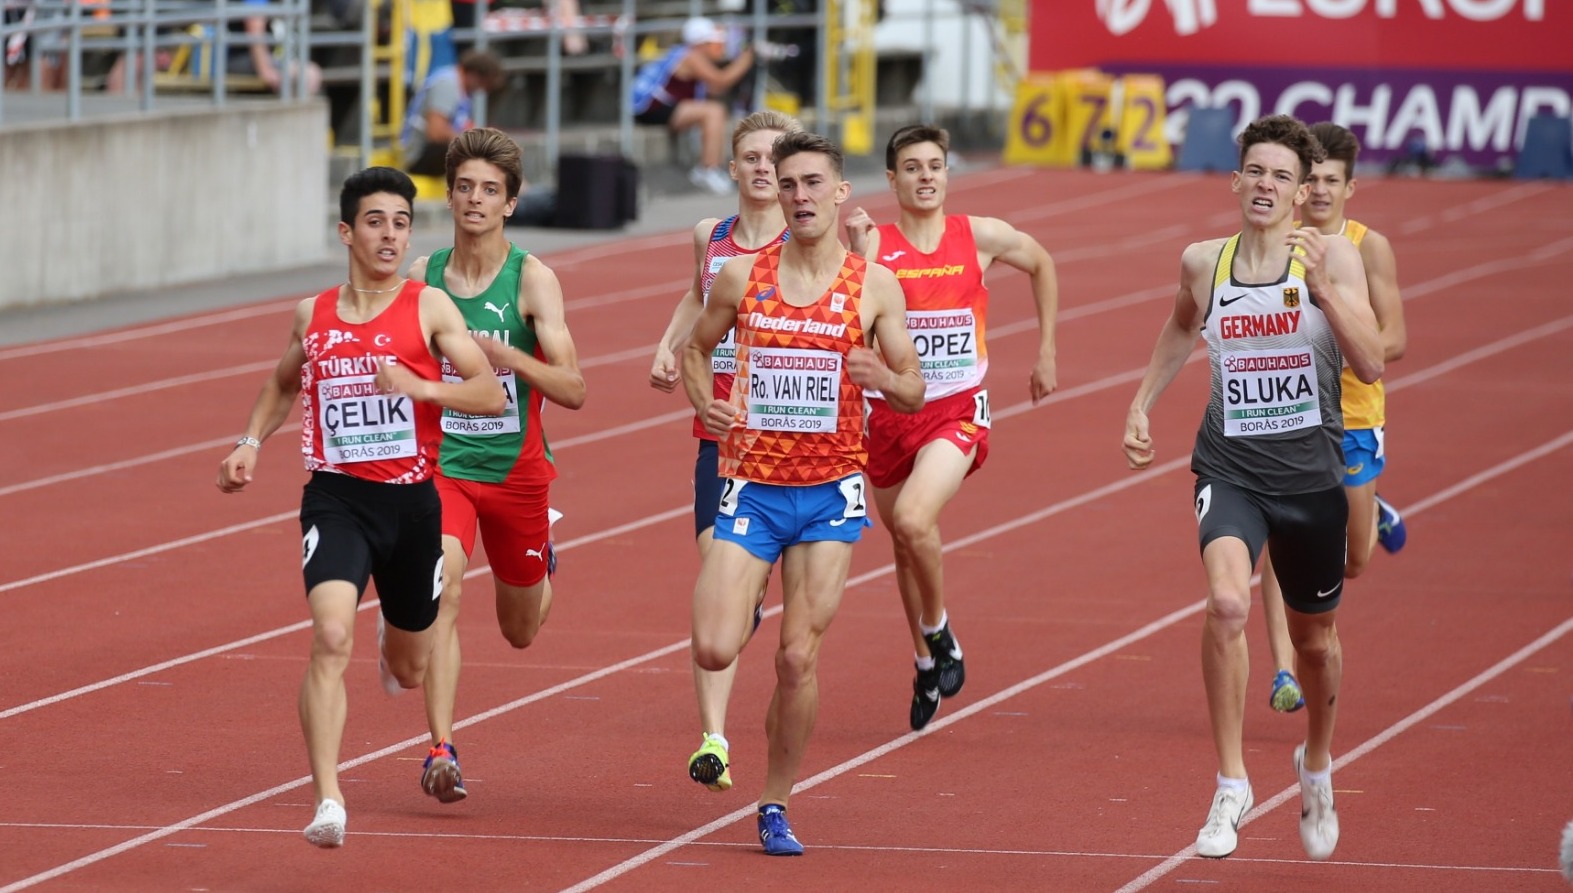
[(803, 421), (347, 425), (1365, 405)]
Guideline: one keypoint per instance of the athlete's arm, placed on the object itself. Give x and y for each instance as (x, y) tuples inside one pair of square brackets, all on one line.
[(900, 377), (558, 379), (663, 372), (862, 234), (272, 405), (1174, 346), (479, 393), (718, 316), (717, 79), (1381, 278), (417, 269), (998, 240), (1336, 277)]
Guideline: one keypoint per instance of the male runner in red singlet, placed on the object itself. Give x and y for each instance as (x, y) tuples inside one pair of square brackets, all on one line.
[(791, 442), (1281, 308), (366, 358), (495, 474), (917, 462), (1371, 518), (758, 223)]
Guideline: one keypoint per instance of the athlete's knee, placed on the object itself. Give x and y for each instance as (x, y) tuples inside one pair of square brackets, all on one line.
[(1315, 644), (522, 633), (711, 654), (797, 661), (1228, 610), (911, 527), (332, 641)]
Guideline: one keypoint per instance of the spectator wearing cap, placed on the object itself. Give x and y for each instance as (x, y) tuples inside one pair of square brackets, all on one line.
[(441, 110), (674, 91)]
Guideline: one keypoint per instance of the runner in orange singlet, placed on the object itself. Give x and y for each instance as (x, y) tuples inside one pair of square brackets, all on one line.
[(758, 223), (917, 462), (791, 443), (366, 359)]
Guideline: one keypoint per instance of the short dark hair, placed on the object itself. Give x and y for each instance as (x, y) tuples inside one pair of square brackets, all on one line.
[(490, 145), (789, 144), (1338, 143), (911, 135), (1286, 131), (485, 65), (371, 181)]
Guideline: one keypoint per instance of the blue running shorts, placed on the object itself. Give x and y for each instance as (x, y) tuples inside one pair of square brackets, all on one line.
[(1365, 455), (767, 518)]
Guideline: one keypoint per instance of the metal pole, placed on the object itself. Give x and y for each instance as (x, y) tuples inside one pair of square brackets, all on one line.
[(149, 35), (761, 67), (368, 77), (479, 109), (74, 63), (220, 60), (966, 62), (821, 65), (286, 51), (927, 105), (554, 88), (625, 85)]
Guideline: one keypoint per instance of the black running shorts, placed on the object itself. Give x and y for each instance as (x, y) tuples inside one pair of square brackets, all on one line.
[(354, 530), (1304, 533)]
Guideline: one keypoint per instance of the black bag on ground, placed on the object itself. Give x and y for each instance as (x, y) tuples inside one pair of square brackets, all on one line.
[(596, 192)]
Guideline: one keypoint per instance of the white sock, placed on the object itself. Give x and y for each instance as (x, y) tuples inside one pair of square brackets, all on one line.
[(925, 663), (1314, 777), (1233, 784), (719, 739), (944, 618)]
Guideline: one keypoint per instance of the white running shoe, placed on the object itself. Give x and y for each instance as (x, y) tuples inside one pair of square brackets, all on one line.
[(710, 179), (1318, 818), (390, 682), (1221, 834), (327, 829)]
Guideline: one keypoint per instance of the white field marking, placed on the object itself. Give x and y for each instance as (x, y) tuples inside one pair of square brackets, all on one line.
[(1006, 412), (1148, 877), (833, 772), (561, 260), (1484, 203), (737, 845), (1144, 632), (134, 390), (366, 605)]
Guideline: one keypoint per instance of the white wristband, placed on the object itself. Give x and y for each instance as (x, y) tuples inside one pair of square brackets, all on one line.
[(249, 441)]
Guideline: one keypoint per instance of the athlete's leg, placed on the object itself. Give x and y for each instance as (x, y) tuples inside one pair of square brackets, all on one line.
[(813, 577), (1321, 661), (1362, 527), (912, 514), (323, 704), (1273, 615), (442, 671), (1225, 660), (713, 687), (724, 598)]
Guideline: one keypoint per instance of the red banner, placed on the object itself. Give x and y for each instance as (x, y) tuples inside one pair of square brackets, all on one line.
[(1494, 35)]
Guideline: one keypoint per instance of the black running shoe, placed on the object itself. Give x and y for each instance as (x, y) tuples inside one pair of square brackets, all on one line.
[(947, 660), (925, 697)]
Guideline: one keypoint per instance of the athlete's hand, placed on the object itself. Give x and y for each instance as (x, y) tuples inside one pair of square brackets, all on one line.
[(663, 372), (721, 417), (866, 369), (393, 378), (1310, 246), (1044, 379), (859, 225), (497, 353), (234, 472), (1138, 442)]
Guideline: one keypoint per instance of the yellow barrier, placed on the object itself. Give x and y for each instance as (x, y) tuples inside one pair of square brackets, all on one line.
[(1061, 119), (1141, 132), (1036, 134)]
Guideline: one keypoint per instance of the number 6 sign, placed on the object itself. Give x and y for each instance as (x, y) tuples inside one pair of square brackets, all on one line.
[(1036, 133)]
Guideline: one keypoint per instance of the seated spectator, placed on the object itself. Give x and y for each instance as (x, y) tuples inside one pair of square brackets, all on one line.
[(441, 110), (257, 58), (674, 91)]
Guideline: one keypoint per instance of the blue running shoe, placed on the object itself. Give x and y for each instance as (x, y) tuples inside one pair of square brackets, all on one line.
[(440, 775), (1286, 696), (775, 833), (1390, 531)]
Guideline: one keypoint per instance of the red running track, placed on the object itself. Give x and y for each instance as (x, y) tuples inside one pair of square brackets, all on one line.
[(156, 634)]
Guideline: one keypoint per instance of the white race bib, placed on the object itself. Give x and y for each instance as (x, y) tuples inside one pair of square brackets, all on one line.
[(1269, 391), (947, 343), (793, 390), (361, 424), (484, 425)]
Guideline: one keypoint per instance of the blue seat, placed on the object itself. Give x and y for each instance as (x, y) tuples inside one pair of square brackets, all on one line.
[(1209, 141), (1548, 149)]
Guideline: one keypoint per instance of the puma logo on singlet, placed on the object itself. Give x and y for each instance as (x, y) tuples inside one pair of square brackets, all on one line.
[(497, 310), (893, 255)]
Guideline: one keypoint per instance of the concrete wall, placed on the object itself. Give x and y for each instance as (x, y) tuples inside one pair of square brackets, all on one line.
[(172, 196)]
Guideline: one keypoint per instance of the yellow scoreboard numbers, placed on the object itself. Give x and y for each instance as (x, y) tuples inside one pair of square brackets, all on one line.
[(1060, 119), (1036, 134), (1141, 133)]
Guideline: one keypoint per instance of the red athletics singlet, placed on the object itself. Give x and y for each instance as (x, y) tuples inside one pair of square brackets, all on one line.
[(723, 360), (346, 426), (947, 305), (803, 421)]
